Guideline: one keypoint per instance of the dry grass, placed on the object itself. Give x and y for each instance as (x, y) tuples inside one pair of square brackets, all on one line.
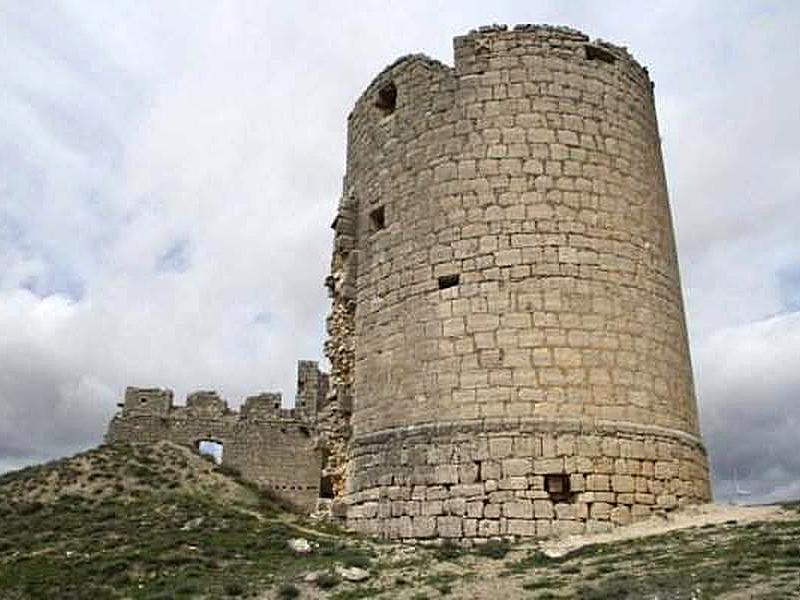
[(159, 521)]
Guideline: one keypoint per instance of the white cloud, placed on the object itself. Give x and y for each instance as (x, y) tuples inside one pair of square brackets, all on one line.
[(217, 131)]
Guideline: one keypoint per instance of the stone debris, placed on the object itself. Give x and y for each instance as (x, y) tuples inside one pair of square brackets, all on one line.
[(353, 574), (193, 524), (300, 546)]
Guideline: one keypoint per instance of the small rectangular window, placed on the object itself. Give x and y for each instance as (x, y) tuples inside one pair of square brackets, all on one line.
[(448, 281), (377, 219), (558, 487)]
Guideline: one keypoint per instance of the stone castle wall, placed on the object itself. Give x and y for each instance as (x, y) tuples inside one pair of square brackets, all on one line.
[(508, 342), (270, 446)]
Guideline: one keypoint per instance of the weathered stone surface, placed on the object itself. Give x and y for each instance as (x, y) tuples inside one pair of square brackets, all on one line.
[(273, 447), (449, 527), (504, 265)]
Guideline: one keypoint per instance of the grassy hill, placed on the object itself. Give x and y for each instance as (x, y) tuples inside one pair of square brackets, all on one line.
[(159, 521)]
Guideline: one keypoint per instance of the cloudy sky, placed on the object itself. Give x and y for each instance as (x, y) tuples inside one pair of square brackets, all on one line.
[(169, 171)]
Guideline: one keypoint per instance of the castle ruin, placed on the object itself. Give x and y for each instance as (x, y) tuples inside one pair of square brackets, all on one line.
[(507, 336), (271, 446), (507, 339)]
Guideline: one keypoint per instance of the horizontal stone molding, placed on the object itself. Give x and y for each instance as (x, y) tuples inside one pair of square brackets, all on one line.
[(517, 426)]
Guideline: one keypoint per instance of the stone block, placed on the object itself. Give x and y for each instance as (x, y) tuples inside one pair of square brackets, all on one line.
[(543, 509), (577, 483), (500, 447), (622, 483), (488, 528), (432, 507), (465, 490), (516, 467), (513, 483), (536, 482), (666, 501), (625, 499), (475, 509), (525, 447), (468, 472), (418, 492), (470, 527), (437, 492), (598, 483), (521, 509), (490, 469), (565, 511), (621, 515), (600, 511), (666, 470), (455, 506), (544, 528), (423, 527), (548, 466), (524, 528), (568, 527), (593, 526), (448, 527)]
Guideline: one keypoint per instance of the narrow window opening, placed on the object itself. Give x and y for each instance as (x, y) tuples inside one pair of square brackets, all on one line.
[(599, 53), (326, 487), (386, 101), (142, 400), (448, 281), (212, 449), (558, 487), (377, 219)]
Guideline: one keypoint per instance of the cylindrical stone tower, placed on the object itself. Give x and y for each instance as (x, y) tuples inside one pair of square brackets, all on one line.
[(508, 342)]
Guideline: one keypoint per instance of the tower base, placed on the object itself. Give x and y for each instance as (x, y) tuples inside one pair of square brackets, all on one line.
[(518, 478)]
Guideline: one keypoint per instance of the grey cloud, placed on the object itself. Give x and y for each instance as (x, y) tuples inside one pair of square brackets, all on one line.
[(168, 173)]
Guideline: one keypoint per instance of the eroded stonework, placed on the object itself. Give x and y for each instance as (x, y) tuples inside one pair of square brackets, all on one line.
[(507, 338), (273, 447)]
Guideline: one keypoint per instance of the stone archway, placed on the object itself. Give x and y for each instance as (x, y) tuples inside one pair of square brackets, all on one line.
[(210, 447)]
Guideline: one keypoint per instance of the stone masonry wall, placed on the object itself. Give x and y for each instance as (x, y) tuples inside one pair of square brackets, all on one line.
[(273, 447), (505, 248)]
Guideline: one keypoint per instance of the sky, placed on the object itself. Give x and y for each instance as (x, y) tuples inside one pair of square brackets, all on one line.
[(169, 172)]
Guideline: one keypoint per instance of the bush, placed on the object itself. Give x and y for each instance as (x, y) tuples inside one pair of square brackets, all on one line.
[(449, 550), (288, 591), (495, 549), (327, 581), (234, 588)]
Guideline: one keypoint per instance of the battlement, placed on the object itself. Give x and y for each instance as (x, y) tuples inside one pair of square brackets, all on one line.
[(153, 402), (268, 444), (312, 388)]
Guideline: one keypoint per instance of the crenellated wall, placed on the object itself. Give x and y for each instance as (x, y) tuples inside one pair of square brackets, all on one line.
[(507, 334), (271, 446)]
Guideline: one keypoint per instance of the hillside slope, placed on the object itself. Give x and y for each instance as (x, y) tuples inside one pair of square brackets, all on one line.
[(162, 522)]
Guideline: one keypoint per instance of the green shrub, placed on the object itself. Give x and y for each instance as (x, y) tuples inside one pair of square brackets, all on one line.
[(327, 581), (449, 550), (234, 588), (287, 591), (495, 549)]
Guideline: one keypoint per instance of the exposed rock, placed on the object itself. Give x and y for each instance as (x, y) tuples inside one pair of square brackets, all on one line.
[(300, 546), (352, 573)]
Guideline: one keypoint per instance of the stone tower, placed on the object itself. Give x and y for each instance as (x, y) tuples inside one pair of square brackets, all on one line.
[(507, 338)]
